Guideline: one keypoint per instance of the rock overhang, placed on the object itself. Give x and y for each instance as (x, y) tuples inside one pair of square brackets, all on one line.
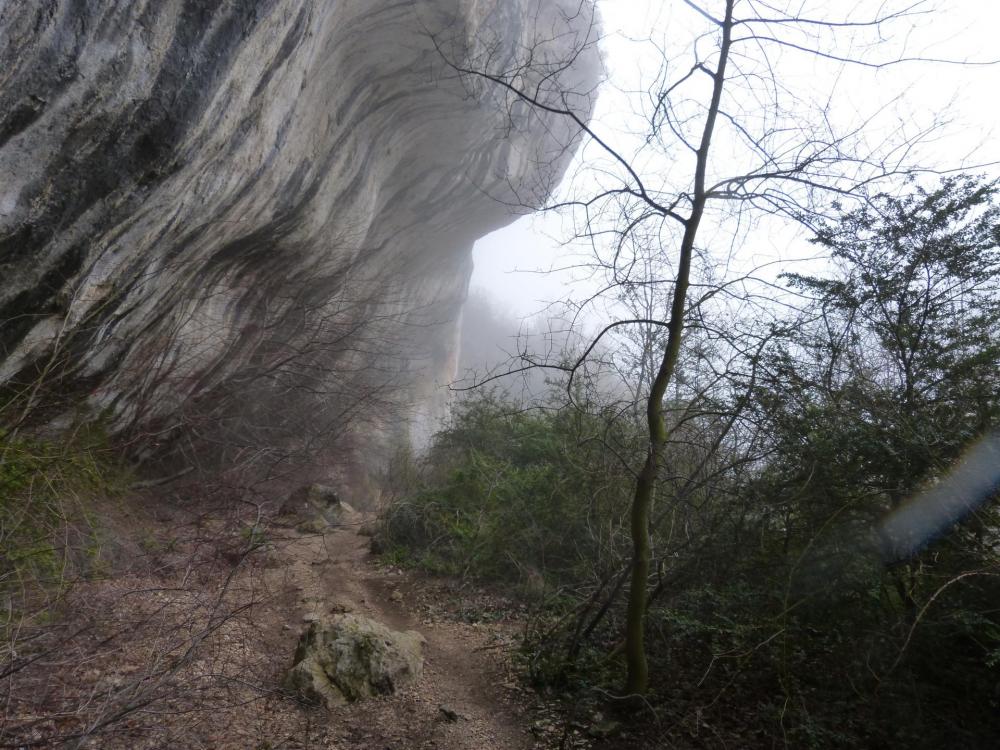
[(210, 205)]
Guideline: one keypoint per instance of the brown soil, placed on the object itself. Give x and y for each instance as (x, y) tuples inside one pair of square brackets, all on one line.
[(186, 642), (463, 675)]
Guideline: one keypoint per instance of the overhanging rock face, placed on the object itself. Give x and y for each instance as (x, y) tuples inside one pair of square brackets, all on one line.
[(260, 212)]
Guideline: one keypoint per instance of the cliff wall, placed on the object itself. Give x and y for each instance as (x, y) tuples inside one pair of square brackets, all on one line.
[(253, 218)]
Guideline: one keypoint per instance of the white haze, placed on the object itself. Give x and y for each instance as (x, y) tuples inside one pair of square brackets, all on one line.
[(524, 266)]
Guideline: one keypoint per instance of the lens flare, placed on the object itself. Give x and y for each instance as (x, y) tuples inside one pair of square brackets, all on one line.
[(970, 484)]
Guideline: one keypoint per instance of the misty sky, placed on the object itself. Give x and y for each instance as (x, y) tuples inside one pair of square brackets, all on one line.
[(512, 264)]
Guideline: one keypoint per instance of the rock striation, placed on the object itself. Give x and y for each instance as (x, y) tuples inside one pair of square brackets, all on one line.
[(254, 217)]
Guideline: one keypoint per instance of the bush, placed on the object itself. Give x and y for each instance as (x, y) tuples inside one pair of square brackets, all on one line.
[(528, 497), (49, 531), (784, 627)]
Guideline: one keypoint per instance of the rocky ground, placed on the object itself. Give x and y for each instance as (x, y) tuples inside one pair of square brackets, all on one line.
[(467, 697), (189, 649)]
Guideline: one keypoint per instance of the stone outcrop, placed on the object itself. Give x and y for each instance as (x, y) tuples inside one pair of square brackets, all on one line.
[(248, 216), (317, 504), (349, 657)]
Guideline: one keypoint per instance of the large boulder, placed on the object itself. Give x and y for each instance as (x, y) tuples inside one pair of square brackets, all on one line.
[(350, 657)]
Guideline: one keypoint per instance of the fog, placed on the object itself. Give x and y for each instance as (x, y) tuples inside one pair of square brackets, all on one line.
[(530, 264)]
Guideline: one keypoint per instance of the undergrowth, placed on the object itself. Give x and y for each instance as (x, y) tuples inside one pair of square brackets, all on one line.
[(51, 535), (759, 632), (528, 498)]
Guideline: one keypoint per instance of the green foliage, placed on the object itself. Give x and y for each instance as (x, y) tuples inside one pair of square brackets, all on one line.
[(892, 372), (773, 612), (895, 369), (525, 497), (49, 534)]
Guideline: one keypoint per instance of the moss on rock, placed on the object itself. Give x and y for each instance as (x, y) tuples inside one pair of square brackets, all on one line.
[(349, 657)]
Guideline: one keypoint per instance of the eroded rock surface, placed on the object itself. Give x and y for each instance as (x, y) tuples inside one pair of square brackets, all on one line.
[(246, 216), (350, 657)]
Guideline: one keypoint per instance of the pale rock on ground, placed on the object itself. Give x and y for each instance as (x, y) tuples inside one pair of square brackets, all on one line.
[(349, 657), (318, 505)]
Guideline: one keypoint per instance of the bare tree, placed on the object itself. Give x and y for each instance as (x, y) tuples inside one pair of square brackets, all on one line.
[(745, 128)]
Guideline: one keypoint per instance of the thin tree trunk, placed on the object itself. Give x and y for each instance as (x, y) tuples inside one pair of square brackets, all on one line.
[(637, 680)]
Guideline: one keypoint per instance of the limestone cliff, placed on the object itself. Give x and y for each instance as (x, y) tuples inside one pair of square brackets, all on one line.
[(249, 216)]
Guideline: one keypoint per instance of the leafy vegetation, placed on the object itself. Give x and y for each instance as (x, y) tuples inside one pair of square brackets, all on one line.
[(50, 533), (774, 612), (527, 497)]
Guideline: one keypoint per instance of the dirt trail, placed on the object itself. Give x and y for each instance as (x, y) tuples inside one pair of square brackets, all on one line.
[(334, 572)]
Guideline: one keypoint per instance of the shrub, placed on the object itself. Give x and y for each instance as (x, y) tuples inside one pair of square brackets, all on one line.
[(529, 497), (49, 531)]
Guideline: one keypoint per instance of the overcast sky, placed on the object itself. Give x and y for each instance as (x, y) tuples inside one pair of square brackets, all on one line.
[(512, 265)]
